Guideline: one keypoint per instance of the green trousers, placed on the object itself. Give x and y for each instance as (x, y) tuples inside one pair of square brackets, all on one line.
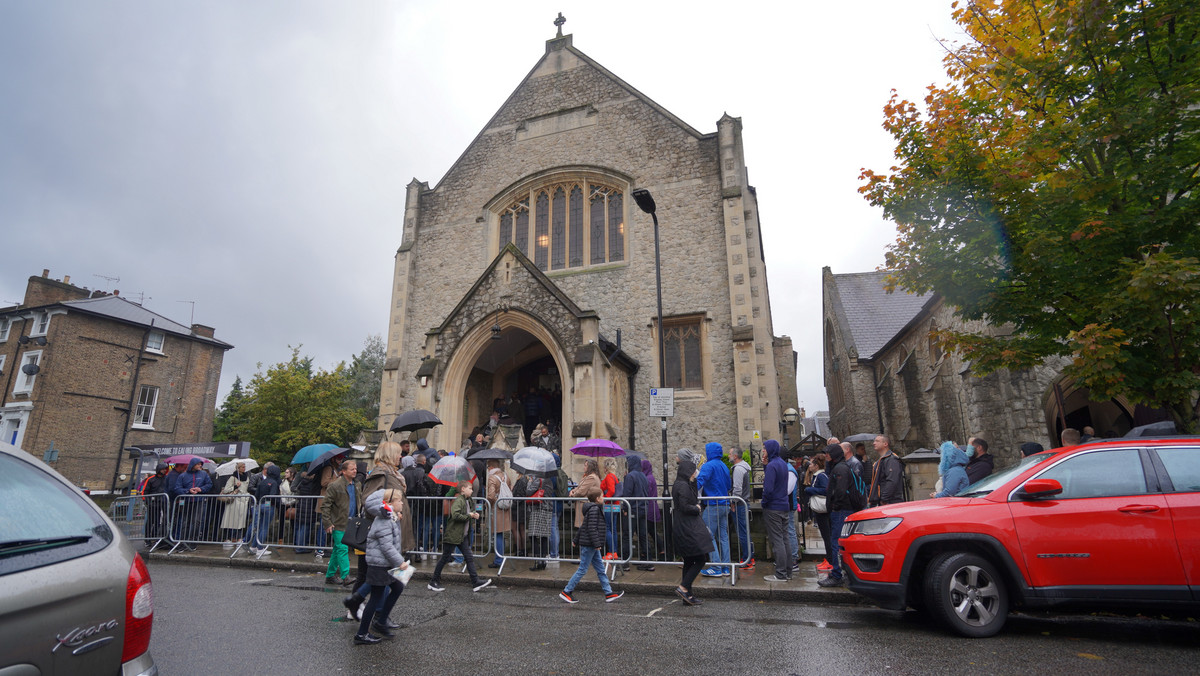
[(339, 561)]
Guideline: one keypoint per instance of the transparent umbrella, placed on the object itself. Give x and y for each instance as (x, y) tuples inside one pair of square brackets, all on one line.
[(450, 470), (535, 461)]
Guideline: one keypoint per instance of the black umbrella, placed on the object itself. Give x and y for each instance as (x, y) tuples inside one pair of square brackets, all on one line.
[(855, 438), (324, 458), (411, 421), (489, 454)]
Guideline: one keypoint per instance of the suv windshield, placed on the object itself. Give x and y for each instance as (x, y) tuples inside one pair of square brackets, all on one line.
[(998, 479), (42, 520)]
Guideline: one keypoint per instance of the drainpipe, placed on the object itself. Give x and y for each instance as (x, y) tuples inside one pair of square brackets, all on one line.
[(878, 408), (137, 369)]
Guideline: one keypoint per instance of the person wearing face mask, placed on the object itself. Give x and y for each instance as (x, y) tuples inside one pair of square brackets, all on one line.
[(693, 541)]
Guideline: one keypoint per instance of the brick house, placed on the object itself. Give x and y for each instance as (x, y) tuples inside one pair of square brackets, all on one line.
[(86, 374), (529, 268)]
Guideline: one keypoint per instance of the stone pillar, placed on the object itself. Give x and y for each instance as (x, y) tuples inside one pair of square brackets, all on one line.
[(397, 373)]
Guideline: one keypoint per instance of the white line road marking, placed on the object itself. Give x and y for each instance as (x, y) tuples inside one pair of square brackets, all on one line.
[(264, 579), (651, 613)]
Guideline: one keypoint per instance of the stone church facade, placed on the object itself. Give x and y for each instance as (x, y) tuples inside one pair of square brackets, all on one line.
[(530, 265), (884, 373)]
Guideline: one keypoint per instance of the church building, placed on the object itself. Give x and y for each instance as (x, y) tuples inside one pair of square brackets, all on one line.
[(528, 273)]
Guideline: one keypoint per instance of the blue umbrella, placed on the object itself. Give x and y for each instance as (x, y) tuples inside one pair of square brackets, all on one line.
[(310, 453)]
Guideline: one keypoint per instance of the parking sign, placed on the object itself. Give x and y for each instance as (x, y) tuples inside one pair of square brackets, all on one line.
[(662, 402)]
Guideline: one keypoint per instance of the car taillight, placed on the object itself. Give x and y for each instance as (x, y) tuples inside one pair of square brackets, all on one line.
[(139, 610)]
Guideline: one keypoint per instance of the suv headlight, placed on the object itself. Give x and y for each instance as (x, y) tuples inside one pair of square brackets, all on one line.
[(870, 526)]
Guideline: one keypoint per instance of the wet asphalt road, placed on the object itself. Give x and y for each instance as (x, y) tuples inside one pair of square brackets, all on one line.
[(211, 620)]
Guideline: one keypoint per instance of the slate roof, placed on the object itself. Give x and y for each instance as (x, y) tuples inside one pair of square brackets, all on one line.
[(872, 315), (115, 307)]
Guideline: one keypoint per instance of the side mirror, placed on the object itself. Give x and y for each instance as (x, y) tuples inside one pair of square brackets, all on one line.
[(1040, 489)]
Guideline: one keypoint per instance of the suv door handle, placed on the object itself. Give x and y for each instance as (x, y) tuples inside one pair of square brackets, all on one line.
[(1138, 509)]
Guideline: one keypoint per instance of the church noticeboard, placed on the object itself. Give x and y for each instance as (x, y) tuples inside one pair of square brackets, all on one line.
[(662, 402)]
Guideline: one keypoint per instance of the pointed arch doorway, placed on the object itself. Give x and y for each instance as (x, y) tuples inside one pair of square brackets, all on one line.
[(523, 358), (1069, 404)]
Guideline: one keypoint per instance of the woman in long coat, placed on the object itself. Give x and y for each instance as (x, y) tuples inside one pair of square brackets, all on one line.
[(234, 519), (500, 517), (540, 515), (693, 541), (590, 480), (386, 472)]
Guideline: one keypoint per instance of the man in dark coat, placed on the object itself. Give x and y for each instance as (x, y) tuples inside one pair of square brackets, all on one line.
[(154, 494), (840, 507), (982, 463), (887, 477), (776, 509)]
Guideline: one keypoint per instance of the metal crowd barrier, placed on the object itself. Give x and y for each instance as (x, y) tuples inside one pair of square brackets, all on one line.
[(655, 541), (289, 521), (198, 519), (142, 517), (427, 522), (520, 545)]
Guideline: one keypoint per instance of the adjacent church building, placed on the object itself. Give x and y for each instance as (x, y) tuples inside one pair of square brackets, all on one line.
[(528, 270), (884, 372)]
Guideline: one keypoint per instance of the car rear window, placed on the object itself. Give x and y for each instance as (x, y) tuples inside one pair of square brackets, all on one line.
[(42, 520), (1183, 466)]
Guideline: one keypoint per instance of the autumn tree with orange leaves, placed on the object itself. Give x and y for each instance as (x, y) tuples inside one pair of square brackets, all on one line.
[(1051, 190)]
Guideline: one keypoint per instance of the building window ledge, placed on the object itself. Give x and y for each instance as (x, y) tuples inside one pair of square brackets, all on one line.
[(139, 426)]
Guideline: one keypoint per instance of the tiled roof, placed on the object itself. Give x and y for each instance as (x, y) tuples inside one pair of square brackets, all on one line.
[(120, 309), (874, 316)]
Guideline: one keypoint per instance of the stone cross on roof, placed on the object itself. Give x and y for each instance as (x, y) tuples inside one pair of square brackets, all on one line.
[(559, 23)]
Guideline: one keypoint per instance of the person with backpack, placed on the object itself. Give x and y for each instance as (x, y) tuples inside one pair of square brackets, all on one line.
[(845, 497), (776, 508), (498, 488)]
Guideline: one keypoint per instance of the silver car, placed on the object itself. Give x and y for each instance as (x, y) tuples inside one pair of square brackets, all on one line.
[(75, 597)]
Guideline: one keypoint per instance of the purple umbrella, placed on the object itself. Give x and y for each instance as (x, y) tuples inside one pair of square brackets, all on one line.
[(598, 448)]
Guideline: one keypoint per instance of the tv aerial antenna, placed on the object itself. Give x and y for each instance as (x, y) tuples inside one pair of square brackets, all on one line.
[(193, 303), (112, 281)]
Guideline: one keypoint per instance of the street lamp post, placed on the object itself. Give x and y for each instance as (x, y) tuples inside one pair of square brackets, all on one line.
[(645, 202), (789, 417)]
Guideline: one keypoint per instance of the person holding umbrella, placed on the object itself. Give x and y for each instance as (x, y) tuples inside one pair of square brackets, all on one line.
[(233, 521), (501, 517), (590, 480)]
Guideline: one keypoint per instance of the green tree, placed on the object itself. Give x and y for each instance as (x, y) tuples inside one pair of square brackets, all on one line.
[(1050, 190), (229, 412), (365, 375), (293, 405)]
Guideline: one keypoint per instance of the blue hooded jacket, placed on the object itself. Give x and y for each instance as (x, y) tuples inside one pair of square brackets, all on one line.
[(195, 477), (714, 479), (635, 484), (954, 478), (775, 479)]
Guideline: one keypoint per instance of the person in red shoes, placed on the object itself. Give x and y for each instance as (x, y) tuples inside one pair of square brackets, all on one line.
[(818, 496)]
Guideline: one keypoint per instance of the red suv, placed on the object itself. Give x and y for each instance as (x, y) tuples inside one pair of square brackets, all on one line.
[(1108, 524)]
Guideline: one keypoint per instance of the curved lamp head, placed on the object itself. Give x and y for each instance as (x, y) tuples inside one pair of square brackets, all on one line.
[(644, 201), (790, 415)]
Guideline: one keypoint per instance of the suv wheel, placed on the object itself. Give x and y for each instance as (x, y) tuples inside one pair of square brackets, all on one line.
[(965, 594)]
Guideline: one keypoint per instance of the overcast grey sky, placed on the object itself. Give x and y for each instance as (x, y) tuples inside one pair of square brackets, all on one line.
[(252, 156)]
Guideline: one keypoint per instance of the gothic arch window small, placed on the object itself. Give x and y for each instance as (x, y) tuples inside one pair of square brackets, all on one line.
[(935, 345), (573, 223)]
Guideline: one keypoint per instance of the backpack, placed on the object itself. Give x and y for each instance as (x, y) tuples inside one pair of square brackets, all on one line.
[(504, 495), (562, 490), (857, 491), (308, 485)]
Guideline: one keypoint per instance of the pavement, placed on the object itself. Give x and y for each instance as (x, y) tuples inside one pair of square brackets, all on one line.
[(750, 583)]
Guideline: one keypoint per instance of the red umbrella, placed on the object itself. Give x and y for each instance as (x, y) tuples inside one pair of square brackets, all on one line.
[(450, 470)]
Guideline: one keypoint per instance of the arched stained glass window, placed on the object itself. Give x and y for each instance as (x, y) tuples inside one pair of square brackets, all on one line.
[(541, 232), (558, 231), (575, 223)]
